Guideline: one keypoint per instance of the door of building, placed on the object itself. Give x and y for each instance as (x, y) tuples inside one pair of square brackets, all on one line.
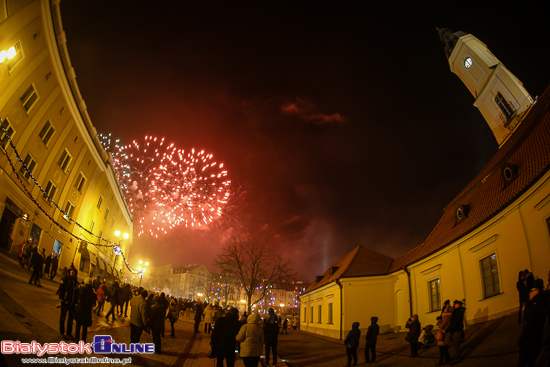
[(7, 224)]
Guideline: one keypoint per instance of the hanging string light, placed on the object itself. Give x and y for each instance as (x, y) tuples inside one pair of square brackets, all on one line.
[(108, 243)]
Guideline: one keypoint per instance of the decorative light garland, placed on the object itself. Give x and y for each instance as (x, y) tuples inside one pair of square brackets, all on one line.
[(65, 215)]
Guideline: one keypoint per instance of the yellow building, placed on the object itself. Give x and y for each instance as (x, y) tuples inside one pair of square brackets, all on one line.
[(46, 118), (497, 226)]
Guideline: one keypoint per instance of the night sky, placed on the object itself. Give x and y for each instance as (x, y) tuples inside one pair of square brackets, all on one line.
[(343, 121)]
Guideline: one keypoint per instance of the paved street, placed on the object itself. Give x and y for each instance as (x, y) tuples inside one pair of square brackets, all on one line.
[(28, 313), (494, 343)]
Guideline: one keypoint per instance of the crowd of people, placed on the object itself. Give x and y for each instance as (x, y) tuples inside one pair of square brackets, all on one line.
[(149, 312), (32, 257)]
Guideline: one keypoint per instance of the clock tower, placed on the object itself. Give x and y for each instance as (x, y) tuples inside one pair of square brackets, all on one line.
[(500, 96)]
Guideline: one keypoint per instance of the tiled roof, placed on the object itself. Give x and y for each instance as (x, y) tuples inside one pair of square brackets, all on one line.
[(360, 262), (485, 196)]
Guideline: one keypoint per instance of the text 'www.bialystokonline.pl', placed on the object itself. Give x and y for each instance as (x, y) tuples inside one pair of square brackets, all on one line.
[(67, 361)]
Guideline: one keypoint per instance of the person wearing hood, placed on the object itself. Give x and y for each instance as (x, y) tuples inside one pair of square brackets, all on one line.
[(456, 328), (271, 333), (208, 316), (371, 337), (414, 333), (251, 337), (352, 343), (85, 302)]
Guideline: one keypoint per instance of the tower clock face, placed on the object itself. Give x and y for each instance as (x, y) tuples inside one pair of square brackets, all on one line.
[(468, 62)]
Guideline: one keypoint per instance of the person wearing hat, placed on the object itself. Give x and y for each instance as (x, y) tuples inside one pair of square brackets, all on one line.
[(85, 302), (530, 339), (456, 327), (223, 336)]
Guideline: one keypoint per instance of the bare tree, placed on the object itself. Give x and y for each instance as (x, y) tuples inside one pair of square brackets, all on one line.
[(253, 264), (226, 285)]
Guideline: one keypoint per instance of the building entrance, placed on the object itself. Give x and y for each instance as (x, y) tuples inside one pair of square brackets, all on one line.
[(7, 224)]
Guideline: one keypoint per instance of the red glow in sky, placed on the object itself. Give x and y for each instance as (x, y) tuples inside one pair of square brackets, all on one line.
[(342, 120)]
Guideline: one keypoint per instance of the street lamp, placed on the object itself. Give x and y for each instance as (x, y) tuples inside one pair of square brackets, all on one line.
[(142, 270)]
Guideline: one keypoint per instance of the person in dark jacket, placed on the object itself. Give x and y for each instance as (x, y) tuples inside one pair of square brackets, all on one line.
[(67, 301), (456, 328), (371, 338), (271, 336), (47, 265), (520, 286), (198, 317), (352, 343), (126, 295), (113, 298), (414, 332), (285, 326), (223, 337), (536, 311), (156, 322), (85, 302), (54, 265), (166, 304), (37, 261)]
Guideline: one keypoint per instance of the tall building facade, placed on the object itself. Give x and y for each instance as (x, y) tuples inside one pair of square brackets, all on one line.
[(56, 160)]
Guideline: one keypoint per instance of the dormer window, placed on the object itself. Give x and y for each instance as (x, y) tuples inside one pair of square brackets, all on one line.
[(509, 173), (461, 213)]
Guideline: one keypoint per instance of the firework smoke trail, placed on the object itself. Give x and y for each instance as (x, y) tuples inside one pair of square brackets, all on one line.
[(166, 187)]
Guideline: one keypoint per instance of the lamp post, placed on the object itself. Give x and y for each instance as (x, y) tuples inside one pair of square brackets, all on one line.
[(142, 270)]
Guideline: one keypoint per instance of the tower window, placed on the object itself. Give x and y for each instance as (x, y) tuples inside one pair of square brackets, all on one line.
[(505, 107)]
